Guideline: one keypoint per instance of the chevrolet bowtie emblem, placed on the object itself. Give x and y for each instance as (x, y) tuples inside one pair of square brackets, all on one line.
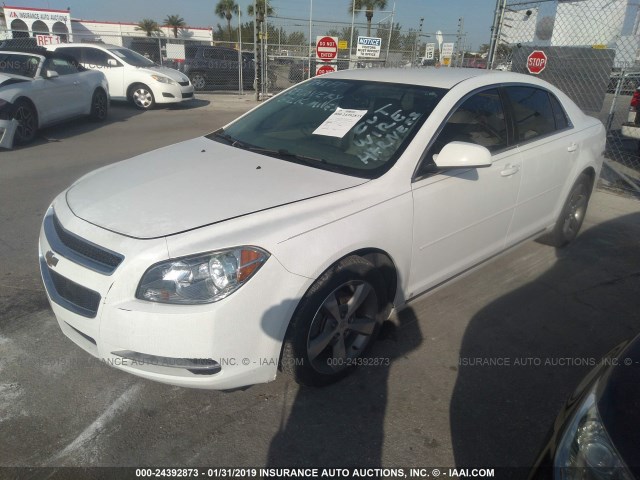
[(51, 259)]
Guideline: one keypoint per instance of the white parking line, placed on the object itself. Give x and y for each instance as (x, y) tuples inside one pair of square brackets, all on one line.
[(99, 423)]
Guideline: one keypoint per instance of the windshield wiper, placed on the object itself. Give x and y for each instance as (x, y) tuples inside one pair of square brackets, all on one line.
[(287, 155), (281, 153), (234, 142)]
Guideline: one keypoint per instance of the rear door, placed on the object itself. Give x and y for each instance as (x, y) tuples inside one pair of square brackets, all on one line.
[(547, 144), (96, 59)]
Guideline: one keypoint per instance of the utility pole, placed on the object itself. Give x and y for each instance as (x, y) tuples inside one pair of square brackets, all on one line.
[(256, 63), (459, 45), (501, 5), (415, 44)]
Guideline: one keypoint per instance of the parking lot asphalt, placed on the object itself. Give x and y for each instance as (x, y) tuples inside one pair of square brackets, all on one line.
[(446, 399)]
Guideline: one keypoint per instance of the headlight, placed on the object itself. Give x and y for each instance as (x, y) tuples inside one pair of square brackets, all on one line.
[(163, 79), (586, 451), (203, 278)]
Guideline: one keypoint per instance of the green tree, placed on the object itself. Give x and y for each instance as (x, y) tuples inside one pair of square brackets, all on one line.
[(262, 9), (175, 22), (226, 9), (368, 6), (297, 38), (148, 26)]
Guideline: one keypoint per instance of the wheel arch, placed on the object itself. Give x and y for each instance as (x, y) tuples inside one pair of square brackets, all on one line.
[(591, 173), (133, 84), (380, 259)]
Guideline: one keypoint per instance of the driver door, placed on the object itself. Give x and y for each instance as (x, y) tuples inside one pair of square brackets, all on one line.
[(462, 216)]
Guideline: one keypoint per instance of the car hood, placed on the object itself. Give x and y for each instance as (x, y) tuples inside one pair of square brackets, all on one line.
[(191, 184), (169, 72), (7, 79)]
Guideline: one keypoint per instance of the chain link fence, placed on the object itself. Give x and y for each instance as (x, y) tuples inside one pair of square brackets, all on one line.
[(591, 52)]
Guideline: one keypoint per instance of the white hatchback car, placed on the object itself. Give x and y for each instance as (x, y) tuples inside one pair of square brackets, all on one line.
[(131, 76), (285, 238)]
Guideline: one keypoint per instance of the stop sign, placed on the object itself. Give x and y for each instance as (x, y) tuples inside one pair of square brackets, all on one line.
[(536, 62), (325, 69), (326, 48)]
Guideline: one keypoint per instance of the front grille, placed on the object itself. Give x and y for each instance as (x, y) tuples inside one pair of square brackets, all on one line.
[(69, 294), (79, 250), (187, 95), (184, 84)]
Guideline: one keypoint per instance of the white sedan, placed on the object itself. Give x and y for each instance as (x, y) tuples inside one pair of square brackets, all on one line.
[(284, 240), (40, 88)]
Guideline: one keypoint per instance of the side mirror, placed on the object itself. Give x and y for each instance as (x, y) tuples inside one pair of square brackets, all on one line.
[(463, 155), (50, 74), (112, 62)]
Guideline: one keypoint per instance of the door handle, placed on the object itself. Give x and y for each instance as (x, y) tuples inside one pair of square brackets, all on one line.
[(510, 170), (572, 148), (76, 83)]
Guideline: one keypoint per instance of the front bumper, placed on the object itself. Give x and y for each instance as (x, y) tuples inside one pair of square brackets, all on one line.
[(227, 344), (165, 93), (7, 131), (630, 130)]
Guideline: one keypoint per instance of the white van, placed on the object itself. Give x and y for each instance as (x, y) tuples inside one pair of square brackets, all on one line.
[(131, 76)]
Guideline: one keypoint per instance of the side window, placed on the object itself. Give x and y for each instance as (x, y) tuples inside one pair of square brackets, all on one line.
[(480, 119), (60, 65), (532, 112), (72, 52), (558, 113), (230, 56), (92, 57)]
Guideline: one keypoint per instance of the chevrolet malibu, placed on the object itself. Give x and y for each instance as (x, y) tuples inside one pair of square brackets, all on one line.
[(285, 239)]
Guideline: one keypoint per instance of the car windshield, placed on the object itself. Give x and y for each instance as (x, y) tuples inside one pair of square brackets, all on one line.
[(25, 65), (349, 126), (132, 58)]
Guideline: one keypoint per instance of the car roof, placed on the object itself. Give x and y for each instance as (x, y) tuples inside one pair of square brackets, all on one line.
[(36, 52), (106, 46), (443, 77)]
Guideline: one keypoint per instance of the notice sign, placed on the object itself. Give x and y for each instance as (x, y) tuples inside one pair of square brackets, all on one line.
[(369, 47), (447, 50), (340, 122)]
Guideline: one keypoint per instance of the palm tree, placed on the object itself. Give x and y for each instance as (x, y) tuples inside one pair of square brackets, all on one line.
[(263, 8), (175, 22), (369, 6), (148, 26), (226, 9)]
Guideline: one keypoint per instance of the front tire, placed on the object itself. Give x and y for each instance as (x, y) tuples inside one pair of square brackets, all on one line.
[(99, 106), (27, 118), (142, 96), (335, 322), (572, 214)]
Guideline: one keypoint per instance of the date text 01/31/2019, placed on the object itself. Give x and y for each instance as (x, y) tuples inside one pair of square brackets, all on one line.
[(316, 472)]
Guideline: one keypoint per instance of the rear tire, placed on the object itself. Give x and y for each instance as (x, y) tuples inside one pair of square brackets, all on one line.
[(336, 321), (572, 214), (99, 106)]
